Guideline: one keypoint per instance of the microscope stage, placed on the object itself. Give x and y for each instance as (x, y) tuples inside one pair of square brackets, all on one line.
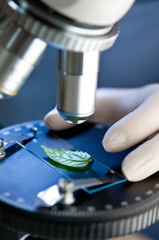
[(109, 211)]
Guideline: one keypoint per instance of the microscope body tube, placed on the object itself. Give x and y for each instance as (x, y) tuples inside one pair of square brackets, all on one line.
[(19, 55), (77, 83)]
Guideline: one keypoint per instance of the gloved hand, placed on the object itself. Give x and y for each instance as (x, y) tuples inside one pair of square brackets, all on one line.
[(134, 114)]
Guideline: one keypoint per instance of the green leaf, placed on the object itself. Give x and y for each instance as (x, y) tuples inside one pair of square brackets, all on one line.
[(74, 159)]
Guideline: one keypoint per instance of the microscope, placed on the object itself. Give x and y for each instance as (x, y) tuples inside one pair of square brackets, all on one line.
[(79, 29)]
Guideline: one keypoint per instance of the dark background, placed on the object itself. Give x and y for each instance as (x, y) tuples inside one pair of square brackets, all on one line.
[(133, 61)]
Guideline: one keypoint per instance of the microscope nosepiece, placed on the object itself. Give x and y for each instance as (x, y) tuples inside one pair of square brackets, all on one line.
[(77, 82)]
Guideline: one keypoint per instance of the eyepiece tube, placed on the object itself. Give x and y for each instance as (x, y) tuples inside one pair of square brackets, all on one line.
[(77, 83)]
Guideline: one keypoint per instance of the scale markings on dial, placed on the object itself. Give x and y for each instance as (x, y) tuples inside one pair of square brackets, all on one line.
[(6, 133), (23, 175), (6, 194), (149, 192), (17, 129), (20, 200), (108, 206), (156, 186), (91, 208), (124, 203), (138, 198)]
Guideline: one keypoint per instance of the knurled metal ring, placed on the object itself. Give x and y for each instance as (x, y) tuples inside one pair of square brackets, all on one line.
[(41, 22)]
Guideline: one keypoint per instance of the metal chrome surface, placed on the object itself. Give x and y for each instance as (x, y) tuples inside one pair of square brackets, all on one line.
[(19, 55), (46, 24), (77, 82), (65, 188), (31, 26)]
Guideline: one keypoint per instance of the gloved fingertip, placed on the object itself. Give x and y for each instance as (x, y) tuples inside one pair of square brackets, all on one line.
[(50, 119), (131, 174), (55, 122), (114, 140), (136, 169), (128, 173)]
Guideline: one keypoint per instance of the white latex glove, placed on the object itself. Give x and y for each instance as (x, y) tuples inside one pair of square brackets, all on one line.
[(134, 114)]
